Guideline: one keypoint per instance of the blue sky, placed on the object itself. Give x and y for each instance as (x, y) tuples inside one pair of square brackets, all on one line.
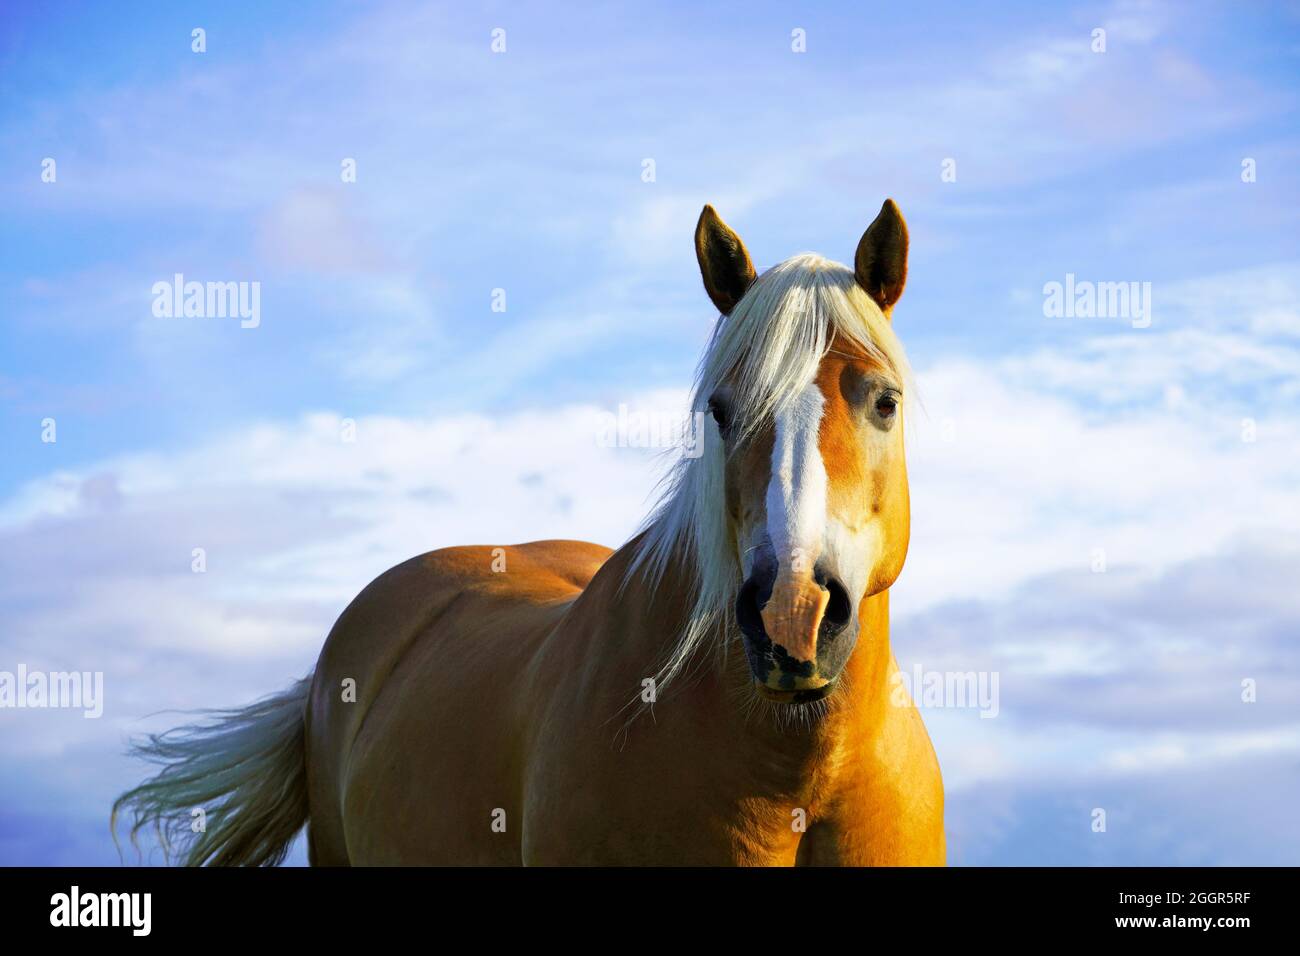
[(1036, 441)]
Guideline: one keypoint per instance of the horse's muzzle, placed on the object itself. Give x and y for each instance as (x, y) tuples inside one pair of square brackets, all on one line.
[(793, 624)]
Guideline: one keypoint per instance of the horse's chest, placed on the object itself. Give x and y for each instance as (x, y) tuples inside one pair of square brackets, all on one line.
[(697, 802)]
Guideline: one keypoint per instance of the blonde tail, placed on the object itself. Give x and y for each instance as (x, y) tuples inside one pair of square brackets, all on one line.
[(244, 769)]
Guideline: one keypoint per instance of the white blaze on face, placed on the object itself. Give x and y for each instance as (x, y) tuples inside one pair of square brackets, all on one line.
[(796, 493)]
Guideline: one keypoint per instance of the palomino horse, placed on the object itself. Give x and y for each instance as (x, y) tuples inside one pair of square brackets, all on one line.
[(556, 702)]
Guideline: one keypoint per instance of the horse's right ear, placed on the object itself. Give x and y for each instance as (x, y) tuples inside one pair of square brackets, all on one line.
[(724, 263)]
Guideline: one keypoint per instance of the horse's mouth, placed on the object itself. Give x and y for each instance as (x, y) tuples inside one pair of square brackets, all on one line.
[(794, 696), (769, 662)]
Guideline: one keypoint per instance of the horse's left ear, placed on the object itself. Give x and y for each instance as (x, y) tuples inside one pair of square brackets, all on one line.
[(880, 264)]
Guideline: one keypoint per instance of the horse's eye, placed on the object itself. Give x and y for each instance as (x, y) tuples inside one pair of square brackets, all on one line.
[(719, 413), (887, 405), (720, 409)]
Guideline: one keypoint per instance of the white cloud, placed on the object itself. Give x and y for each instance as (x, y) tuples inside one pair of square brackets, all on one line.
[(1155, 446), (294, 521), (315, 230)]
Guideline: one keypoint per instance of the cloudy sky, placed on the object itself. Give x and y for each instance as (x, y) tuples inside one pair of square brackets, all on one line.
[(1105, 515)]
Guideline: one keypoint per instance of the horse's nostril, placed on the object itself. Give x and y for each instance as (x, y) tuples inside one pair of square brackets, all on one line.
[(748, 605), (839, 609)]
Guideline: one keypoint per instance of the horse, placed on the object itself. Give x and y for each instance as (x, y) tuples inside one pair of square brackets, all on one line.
[(720, 690)]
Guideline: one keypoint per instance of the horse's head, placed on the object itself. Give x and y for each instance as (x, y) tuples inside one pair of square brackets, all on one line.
[(805, 382)]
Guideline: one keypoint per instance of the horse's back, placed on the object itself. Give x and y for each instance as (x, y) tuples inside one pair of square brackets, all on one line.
[(536, 571), (429, 653)]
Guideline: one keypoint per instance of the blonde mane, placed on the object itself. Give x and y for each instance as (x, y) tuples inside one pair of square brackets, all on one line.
[(769, 348)]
